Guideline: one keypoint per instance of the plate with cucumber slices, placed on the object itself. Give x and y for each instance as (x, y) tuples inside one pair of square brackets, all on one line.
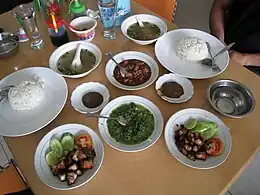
[(198, 138), (68, 156)]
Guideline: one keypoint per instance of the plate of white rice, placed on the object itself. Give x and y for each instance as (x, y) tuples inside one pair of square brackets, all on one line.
[(181, 50), (38, 96)]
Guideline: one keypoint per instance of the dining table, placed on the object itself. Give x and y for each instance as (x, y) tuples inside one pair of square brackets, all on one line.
[(150, 172)]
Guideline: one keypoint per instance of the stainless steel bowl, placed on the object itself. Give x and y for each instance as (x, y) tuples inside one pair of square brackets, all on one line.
[(9, 44), (231, 98)]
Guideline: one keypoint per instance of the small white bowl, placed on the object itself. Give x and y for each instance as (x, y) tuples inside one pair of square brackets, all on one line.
[(81, 90), (184, 82), (132, 55), (72, 46), (144, 18), (84, 22)]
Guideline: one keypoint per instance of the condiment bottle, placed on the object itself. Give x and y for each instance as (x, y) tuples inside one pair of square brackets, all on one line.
[(57, 31), (77, 9)]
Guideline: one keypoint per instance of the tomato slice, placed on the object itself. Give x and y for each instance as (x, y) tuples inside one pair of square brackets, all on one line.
[(84, 141), (215, 147)]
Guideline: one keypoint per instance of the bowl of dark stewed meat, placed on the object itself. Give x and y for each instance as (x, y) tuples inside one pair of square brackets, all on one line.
[(140, 70)]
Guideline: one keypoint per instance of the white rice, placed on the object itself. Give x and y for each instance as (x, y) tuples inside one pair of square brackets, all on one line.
[(26, 96), (192, 49)]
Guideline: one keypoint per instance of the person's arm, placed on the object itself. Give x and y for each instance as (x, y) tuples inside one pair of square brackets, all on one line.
[(246, 59), (216, 21)]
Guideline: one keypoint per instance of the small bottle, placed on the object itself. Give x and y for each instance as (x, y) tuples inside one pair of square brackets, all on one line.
[(77, 9), (57, 32)]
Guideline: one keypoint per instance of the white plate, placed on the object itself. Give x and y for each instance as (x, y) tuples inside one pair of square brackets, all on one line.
[(81, 90), (19, 123), (185, 83), (158, 127), (43, 170), (165, 50), (144, 18), (180, 118), (55, 56), (132, 55)]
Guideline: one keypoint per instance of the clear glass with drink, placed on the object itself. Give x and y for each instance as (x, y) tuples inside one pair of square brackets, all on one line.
[(25, 14), (107, 10)]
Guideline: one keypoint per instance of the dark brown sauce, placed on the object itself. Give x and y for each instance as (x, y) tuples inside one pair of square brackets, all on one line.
[(92, 99), (172, 89)]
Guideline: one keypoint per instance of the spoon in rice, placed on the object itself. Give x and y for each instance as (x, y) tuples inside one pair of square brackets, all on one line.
[(4, 92), (211, 61), (123, 70)]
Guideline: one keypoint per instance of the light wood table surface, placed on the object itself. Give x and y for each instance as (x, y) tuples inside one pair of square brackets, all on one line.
[(151, 172)]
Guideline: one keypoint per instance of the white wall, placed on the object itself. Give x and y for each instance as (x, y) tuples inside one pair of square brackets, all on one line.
[(193, 14)]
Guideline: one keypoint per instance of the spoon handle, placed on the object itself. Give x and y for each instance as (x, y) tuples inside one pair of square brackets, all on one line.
[(111, 57), (99, 116), (77, 56), (225, 49)]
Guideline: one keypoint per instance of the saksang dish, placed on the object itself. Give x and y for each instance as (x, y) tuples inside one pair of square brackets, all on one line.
[(87, 58), (139, 128), (150, 31), (70, 156), (196, 139), (138, 72)]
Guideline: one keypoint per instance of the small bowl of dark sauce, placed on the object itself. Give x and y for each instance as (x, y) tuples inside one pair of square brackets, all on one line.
[(174, 89), (90, 97)]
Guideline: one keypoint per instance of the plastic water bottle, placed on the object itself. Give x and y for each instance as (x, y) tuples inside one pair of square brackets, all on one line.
[(123, 11)]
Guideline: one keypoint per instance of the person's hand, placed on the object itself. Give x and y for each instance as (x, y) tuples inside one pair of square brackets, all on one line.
[(238, 57)]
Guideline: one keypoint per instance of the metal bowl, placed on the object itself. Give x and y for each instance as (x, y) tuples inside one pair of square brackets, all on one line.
[(231, 98), (9, 44)]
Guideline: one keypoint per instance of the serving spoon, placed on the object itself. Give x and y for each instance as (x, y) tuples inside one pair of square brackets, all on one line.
[(76, 63), (120, 119), (123, 70), (211, 61), (4, 92)]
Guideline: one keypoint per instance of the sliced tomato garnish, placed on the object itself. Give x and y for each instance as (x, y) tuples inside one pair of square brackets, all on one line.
[(84, 141), (215, 147)]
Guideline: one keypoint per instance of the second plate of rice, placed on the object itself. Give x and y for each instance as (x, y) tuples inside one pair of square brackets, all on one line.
[(180, 51)]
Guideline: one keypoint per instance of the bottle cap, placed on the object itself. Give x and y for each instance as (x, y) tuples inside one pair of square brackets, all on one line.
[(77, 7)]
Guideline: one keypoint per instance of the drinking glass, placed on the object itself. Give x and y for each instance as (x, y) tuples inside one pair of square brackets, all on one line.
[(25, 14), (107, 10)]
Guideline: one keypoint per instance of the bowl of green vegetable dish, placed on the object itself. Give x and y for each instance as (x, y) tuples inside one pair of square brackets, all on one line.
[(154, 27), (144, 124)]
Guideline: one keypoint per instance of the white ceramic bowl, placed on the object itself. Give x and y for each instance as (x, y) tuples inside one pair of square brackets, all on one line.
[(132, 55), (81, 90), (43, 170), (144, 18), (185, 83), (158, 127), (84, 22), (72, 46), (180, 118)]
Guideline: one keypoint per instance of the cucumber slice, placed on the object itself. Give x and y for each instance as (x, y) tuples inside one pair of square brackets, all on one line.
[(56, 147), (67, 142), (51, 159), (191, 123)]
